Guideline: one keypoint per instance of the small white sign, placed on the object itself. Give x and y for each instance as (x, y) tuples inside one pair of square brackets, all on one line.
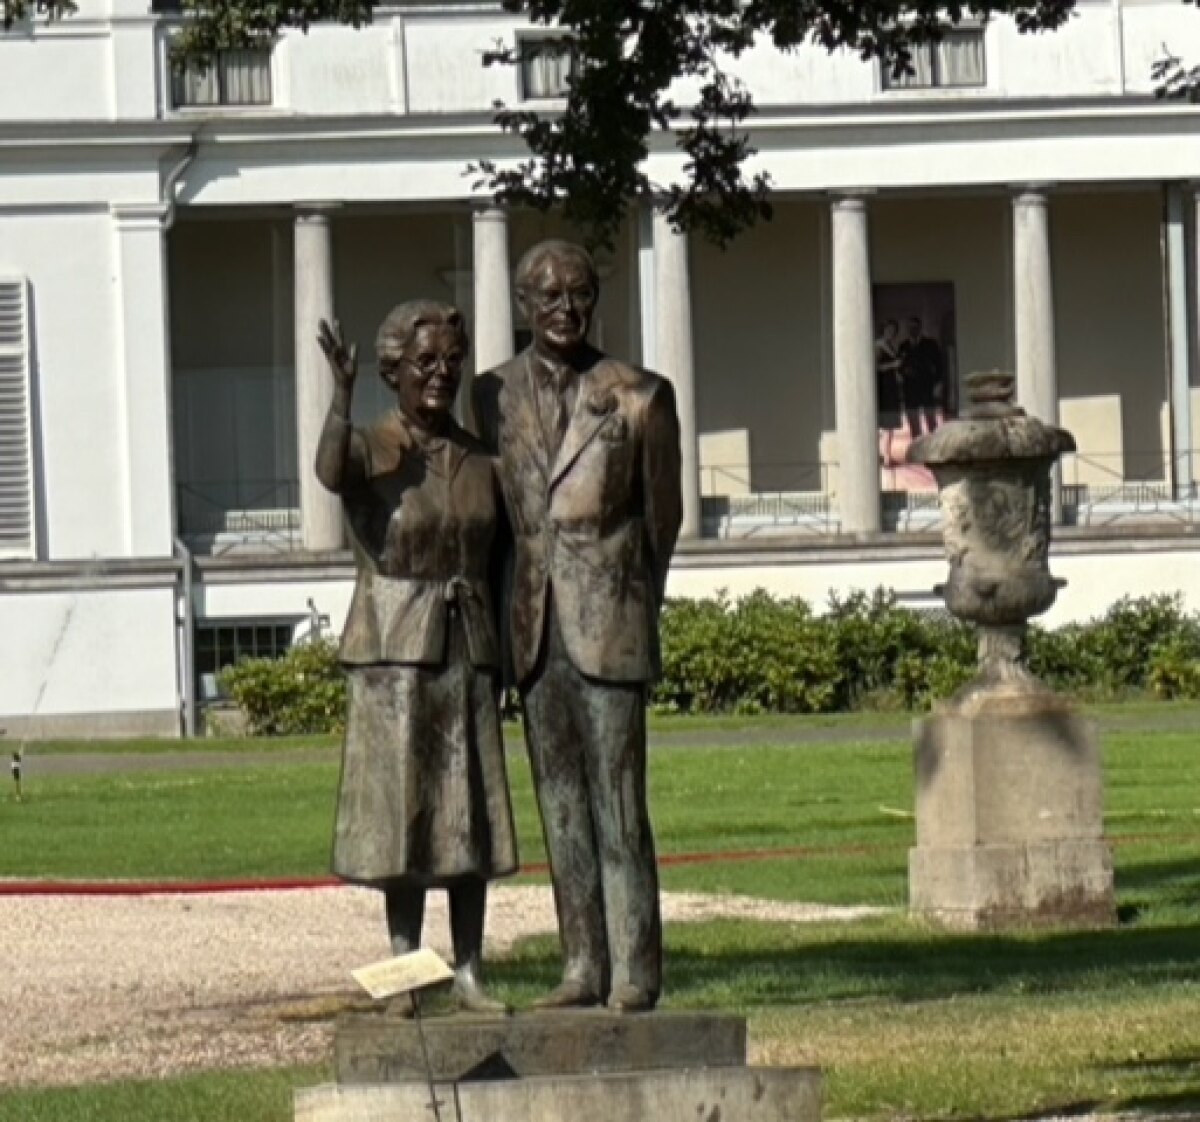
[(406, 973)]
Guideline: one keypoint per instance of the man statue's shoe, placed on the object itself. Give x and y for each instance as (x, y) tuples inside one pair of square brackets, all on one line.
[(570, 995), (629, 999)]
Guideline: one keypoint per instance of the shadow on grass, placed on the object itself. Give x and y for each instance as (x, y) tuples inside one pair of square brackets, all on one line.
[(1174, 882), (747, 966), (1180, 1103), (1177, 1076)]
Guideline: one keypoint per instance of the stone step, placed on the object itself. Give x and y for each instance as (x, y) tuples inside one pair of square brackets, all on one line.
[(374, 1048)]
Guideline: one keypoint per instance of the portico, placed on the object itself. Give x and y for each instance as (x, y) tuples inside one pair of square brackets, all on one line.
[(770, 345)]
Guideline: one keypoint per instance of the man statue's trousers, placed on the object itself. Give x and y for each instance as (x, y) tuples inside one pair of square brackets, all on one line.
[(587, 746)]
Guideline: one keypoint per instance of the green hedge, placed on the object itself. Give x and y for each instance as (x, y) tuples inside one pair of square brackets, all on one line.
[(762, 654), (303, 692)]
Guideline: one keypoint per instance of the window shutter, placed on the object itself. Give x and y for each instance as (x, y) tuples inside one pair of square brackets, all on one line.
[(16, 437)]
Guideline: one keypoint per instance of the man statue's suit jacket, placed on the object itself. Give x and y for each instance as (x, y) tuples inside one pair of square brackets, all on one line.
[(595, 525)]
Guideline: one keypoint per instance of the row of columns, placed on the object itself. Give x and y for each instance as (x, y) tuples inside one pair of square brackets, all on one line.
[(666, 315), (855, 404), (492, 342)]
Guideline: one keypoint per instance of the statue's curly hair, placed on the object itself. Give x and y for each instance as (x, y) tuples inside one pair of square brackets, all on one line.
[(402, 323)]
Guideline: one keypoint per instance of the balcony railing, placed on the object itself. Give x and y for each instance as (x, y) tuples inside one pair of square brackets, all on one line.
[(225, 515), (264, 515), (1097, 489)]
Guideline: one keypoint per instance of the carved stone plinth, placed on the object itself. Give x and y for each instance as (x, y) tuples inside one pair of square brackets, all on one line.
[(1010, 830), (556, 1067)]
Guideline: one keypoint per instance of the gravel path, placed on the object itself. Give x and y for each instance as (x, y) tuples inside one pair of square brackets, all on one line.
[(102, 988)]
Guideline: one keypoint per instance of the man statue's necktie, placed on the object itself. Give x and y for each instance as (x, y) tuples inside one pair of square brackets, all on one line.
[(554, 410)]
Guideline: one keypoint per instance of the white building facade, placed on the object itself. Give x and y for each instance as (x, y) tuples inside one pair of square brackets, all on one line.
[(167, 246)]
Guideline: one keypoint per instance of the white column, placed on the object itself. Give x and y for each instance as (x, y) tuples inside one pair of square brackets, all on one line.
[(144, 356), (320, 511), (644, 242), (675, 357), (1033, 304), (492, 300), (493, 342), (1178, 343), (1037, 372), (855, 404)]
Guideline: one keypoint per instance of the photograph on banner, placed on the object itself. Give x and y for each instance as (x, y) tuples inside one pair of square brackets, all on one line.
[(916, 373)]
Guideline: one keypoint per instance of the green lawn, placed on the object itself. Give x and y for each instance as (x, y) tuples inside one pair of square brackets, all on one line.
[(276, 821), (846, 805), (906, 1022), (1136, 715)]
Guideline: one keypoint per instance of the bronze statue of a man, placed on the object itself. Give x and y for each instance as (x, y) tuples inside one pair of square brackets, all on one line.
[(589, 461)]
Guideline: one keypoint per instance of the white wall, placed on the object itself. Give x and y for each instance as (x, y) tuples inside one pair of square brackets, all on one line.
[(330, 72), (1081, 59), (431, 62), (759, 320), (115, 652), (1095, 580), (91, 65), (1108, 295), (79, 417), (62, 75), (275, 597), (444, 63), (1149, 27)]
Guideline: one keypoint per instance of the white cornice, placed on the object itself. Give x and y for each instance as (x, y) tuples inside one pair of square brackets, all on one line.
[(54, 136), (474, 135)]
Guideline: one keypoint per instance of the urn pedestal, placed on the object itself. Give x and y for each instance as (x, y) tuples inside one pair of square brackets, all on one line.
[(1009, 788), (1009, 808)]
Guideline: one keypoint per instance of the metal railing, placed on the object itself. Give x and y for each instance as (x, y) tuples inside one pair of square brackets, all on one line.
[(223, 515), (743, 501), (1097, 489), (1100, 489)]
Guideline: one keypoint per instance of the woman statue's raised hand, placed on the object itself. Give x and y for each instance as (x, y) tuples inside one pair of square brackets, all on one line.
[(343, 360)]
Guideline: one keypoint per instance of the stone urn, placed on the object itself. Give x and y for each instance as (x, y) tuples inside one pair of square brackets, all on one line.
[(992, 468), (1009, 789)]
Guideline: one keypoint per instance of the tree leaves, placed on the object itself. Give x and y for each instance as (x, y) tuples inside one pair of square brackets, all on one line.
[(638, 60), (215, 25), (13, 12)]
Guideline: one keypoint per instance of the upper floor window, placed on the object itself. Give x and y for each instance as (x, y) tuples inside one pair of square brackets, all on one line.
[(956, 62), (241, 77), (546, 66)]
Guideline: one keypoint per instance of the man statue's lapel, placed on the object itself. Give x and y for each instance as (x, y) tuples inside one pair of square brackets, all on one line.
[(520, 424)]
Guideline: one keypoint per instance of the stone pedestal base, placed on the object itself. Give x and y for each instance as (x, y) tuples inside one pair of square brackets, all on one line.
[(715, 1095), (585, 1066), (1009, 818)]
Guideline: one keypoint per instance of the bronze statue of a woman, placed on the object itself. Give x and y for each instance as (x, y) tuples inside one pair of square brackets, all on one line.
[(424, 800)]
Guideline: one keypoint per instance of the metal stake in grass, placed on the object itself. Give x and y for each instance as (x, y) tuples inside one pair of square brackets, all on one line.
[(434, 1104), (15, 767), (409, 974)]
